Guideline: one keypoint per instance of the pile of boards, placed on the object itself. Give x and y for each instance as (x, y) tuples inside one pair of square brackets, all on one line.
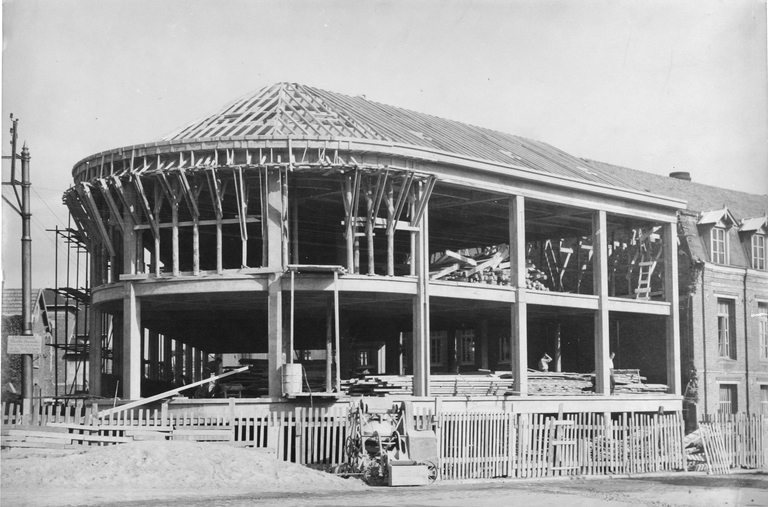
[(439, 385), (499, 384), (488, 265), (629, 381), (553, 383)]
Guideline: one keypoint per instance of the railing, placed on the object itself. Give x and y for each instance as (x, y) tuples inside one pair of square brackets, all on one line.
[(743, 436)]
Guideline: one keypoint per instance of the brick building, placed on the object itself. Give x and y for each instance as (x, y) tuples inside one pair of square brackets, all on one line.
[(723, 292)]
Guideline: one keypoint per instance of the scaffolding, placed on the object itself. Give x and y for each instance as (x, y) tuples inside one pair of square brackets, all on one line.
[(71, 306)]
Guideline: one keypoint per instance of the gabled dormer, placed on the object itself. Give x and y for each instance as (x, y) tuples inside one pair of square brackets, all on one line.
[(753, 233), (714, 228)]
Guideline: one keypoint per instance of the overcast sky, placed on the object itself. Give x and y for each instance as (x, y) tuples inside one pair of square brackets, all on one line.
[(660, 86)]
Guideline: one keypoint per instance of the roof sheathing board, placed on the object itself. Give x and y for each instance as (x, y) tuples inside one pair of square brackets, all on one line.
[(288, 106)]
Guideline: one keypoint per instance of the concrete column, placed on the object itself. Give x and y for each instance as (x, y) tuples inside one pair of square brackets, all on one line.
[(421, 308), (518, 271), (671, 295), (132, 337), (600, 277), (274, 240), (94, 335)]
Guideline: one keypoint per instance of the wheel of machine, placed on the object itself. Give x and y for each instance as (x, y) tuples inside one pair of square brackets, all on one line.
[(431, 470)]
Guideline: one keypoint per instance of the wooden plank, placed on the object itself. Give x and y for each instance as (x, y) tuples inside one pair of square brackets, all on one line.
[(99, 438)]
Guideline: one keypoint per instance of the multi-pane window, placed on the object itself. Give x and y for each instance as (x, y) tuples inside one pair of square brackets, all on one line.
[(726, 339), (762, 330), (758, 251), (466, 346), (764, 399), (718, 250), (728, 403), (437, 344)]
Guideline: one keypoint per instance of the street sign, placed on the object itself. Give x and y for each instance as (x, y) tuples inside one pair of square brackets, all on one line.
[(22, 344)]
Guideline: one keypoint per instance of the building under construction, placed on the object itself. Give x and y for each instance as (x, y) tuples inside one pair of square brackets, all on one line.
[(379, 248)]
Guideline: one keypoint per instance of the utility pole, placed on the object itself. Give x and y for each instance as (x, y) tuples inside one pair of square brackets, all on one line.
[(26, 257)]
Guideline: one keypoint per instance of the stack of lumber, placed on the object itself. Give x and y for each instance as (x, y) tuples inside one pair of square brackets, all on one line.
[(499, 384), (488, 265), (439, 385), (535, 278), (378, 385), (554, 384), (629, 381)]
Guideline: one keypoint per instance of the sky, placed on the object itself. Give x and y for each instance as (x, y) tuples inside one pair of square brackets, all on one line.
[(655, 85)]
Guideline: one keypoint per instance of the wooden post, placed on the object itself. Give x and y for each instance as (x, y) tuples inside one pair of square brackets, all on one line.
[(518, 271), (175, 237), (390, 231), (671, 295), (154, 354), (275, 248), (337, 331), (329, 346), (195, 245), (167, 359), (600, 277), (132, 338), (558, 349), (349, 227), (369, 222), (293, 198)]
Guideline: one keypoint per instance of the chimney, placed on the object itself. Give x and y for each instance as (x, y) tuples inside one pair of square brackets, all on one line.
[(681, 175)]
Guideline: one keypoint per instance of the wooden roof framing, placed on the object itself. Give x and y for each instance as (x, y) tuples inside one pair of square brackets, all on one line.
[(289, 109)]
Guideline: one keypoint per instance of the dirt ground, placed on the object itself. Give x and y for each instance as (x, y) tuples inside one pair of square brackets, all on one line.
[(176, 474)]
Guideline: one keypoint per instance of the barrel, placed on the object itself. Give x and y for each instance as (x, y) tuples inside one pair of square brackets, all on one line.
[(291, 378)]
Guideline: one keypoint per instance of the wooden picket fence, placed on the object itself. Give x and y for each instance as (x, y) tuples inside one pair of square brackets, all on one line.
[(503, 444), (309, 436), (470, 445), (743, 438)]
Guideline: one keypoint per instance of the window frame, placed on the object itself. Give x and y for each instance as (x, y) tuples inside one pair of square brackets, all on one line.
[(733, 398), (439, 338), (726, 328), (764, 398), (465, 356), (716, 255), (758, 251), (762, 329)]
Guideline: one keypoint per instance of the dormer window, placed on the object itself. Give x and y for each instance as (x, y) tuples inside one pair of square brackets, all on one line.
[(718, 223), (718, 249), (753, 232), (758, 251)]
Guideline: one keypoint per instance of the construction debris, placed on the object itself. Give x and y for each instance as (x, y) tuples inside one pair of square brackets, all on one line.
[(489, 265)]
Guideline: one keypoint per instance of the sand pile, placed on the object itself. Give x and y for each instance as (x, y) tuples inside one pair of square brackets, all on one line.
[(160, 467)]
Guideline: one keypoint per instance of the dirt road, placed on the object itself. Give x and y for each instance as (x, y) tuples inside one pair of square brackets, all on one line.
[(676, 490)]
